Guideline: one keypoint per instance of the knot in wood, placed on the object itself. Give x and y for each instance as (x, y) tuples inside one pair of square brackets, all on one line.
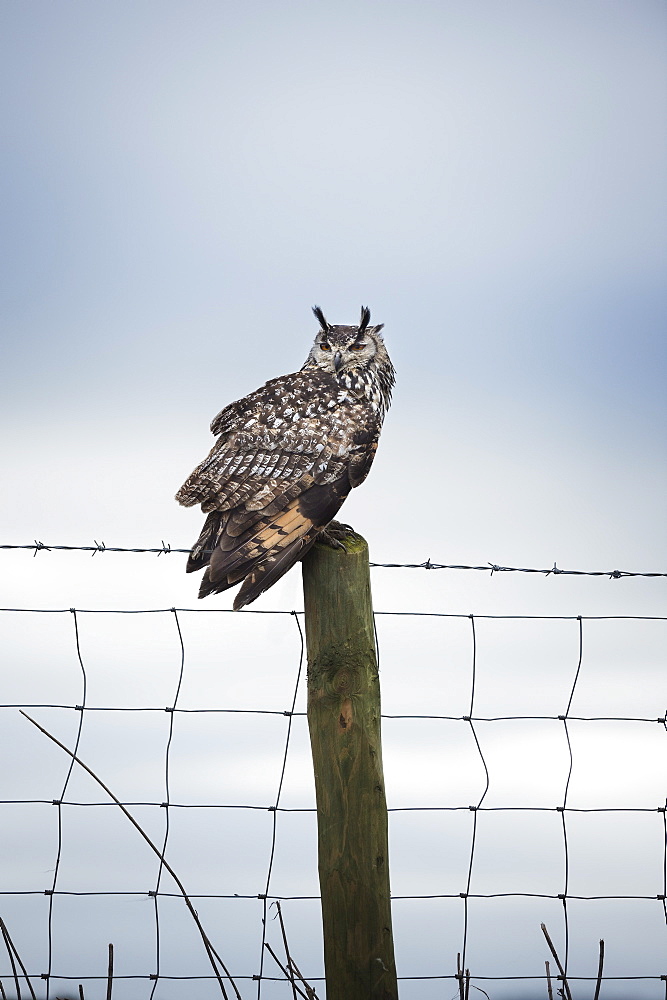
[(341, 682)]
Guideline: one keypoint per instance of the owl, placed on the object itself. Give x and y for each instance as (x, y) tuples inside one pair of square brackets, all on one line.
[(285, 459)]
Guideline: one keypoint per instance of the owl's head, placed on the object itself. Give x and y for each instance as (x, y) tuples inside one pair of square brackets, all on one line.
[(338, 349)]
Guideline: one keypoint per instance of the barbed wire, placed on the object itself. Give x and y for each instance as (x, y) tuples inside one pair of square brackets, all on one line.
[(166, 548)]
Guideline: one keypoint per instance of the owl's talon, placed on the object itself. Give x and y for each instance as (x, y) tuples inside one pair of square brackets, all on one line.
[(334, 533)]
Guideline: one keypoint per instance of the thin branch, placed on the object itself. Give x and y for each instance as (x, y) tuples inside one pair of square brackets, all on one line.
[(12, 950), (210, 951), (285, 971), (287, 954), (312, 995), (600, 965), (110, 973), (566, 988), (459, 976), (550, 992)]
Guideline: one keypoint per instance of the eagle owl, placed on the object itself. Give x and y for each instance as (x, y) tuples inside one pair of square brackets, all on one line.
[(285, 459)]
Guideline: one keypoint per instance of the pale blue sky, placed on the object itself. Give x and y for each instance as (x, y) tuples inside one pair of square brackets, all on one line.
[(182, 181)]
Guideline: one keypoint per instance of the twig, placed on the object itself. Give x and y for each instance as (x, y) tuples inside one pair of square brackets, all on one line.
[(287, 954), (459, 976), (281, 966), (12, 950), (110, 973), (600, 964), (81, 996), (312, 995), (210, 950), (2, 991), (550, 992), (566, 988)]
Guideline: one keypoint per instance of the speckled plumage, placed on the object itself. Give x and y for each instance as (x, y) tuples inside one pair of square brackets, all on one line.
[(285, 459)]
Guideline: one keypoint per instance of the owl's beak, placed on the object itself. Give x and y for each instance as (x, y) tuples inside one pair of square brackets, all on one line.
[(338, 360)]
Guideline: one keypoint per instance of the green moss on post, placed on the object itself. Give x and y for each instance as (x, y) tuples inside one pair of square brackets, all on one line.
[(344, 722)]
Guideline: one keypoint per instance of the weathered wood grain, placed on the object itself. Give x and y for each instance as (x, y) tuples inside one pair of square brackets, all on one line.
[(344, 723)]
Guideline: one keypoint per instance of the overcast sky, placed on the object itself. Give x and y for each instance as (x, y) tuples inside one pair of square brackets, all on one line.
[(181, 182)]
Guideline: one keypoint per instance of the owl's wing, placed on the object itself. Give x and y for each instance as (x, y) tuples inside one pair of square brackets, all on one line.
[(267, 440), (277, 475), (252, 467)]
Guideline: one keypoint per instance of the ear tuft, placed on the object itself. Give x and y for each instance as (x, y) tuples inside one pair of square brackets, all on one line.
[(321, 319), (365, 319)]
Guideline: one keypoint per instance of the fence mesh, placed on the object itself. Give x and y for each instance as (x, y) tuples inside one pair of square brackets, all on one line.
[(525, 770)]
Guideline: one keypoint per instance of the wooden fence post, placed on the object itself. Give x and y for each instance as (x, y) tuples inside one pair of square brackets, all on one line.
[(344, 723)]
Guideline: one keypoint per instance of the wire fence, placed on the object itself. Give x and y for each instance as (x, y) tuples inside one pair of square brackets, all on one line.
[(473, 733), (166, 549)]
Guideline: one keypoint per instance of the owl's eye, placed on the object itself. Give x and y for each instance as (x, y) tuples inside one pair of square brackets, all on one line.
[(357, 347), (324, 346)]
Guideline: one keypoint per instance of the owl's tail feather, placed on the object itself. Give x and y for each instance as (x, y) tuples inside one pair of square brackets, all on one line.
[(269, 572), (207, 587), (260, 557), (258, 577), (203, 548), (258, 547)]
